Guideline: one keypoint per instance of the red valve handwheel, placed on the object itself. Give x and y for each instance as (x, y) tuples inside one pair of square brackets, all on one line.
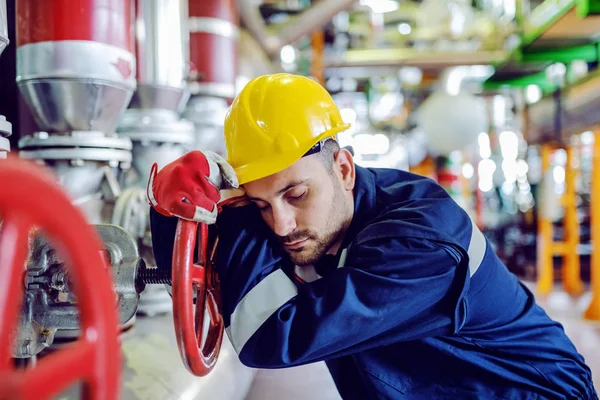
[(199, 356), (30, 198)]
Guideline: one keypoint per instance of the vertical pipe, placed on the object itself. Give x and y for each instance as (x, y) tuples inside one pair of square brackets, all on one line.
[(593, 311), (571, 268), (104, 21), (75, 62), (161, 42), (214, 32), (544, 240), (317, 41)]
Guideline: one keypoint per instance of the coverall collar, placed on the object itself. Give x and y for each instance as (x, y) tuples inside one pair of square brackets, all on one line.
[(364, 205)]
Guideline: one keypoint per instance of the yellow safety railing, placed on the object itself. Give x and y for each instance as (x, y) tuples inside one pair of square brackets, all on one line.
[(567, 248), (593, 311), (547, 247)]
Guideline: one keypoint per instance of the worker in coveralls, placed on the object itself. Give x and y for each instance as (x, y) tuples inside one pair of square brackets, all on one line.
[(378, 272)]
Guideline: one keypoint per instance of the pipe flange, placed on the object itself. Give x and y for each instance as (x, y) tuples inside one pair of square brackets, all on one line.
[(114, 157), (5, 127), (4, 146), (163, 134), (151, 126), (206, 111), (225, 90), (90, 139)]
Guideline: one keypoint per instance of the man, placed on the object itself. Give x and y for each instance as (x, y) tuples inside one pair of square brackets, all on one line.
[(378, 272)]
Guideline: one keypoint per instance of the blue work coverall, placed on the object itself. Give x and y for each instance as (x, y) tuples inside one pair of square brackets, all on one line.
[(416, 305)]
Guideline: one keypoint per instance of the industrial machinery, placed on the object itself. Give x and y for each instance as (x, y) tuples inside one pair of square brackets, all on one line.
[(54, 296), (153, 124), (214, 29), (77, 81), (94, 357)]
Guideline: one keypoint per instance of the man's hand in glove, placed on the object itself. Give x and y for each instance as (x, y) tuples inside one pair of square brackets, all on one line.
[(190, 186)]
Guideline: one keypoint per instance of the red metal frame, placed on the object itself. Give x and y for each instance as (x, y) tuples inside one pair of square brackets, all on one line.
[(31, 198), (198, 355)]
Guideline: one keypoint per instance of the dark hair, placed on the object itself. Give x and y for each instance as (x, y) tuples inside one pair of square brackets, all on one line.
[(327, 153)]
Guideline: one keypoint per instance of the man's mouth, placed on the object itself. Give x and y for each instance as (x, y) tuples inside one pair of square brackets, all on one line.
[(296, 244)]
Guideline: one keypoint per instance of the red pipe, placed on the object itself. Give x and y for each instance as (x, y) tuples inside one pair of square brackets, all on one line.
[(214, 31), (104, 21)]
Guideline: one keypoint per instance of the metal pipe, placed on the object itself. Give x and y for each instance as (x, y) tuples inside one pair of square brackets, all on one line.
[(411, 57), (161, 40), (305, 23), (214, 32), (75, 76)]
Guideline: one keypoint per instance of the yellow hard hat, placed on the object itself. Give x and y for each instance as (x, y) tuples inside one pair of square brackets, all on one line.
[(274, 121)]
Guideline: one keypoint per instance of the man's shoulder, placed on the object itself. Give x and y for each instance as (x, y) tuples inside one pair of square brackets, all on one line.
[(398, 186), (409, 205)]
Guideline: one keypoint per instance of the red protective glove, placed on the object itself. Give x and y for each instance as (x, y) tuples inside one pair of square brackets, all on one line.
[(189, 186)]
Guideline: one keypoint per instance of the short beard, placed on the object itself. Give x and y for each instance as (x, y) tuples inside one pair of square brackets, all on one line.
[(335, 228)]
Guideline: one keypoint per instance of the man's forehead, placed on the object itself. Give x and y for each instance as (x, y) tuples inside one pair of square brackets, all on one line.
[(302, 171)]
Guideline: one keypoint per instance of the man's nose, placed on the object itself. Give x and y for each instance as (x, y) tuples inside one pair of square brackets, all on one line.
[(284, 221)]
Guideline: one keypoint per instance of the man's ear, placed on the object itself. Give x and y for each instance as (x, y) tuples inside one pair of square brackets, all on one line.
[(344, 163)]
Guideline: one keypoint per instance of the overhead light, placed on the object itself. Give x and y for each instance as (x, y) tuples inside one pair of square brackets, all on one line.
[(410, 75), (587, 138), (509, 167), (484, 145), (510, 8), (288, 54), (579, 68), (334, 84), (509, 145), (522, 168), (467, 170), (533, 94), (366, 143), (556, 73), (558, 173), (381, 6), (404, 28), (499, 106), (348, 115), (485, 172)]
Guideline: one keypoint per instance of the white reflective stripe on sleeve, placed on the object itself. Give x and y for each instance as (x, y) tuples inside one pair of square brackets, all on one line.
[(307, 273), (258, 305), (476, 250), (343, 257)]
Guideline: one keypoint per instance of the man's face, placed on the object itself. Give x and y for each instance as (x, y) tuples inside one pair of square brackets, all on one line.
[(307, 205)]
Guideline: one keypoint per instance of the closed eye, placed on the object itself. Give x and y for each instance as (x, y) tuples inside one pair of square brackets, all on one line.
[(261, 206), (299, 197)]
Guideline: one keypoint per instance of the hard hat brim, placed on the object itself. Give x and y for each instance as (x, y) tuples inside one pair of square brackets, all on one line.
[(267, 166)]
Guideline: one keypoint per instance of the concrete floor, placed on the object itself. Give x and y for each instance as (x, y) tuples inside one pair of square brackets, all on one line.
[(314, 381)]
